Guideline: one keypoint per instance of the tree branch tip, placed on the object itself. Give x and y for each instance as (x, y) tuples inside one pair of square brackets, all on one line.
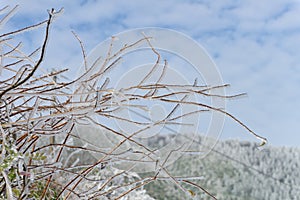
[(53, 12)]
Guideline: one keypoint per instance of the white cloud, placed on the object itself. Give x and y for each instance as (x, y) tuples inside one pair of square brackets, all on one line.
[(288, 21)]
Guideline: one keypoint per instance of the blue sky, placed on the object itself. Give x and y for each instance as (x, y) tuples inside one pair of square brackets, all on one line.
[(255, 45)]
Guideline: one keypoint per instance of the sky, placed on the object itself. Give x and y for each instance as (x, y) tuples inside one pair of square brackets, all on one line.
[(255, 45)]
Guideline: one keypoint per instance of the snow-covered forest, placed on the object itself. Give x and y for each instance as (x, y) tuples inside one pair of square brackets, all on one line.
[(238, 170)]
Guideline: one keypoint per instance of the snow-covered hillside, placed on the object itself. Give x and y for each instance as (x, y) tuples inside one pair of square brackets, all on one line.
[(237, 170)]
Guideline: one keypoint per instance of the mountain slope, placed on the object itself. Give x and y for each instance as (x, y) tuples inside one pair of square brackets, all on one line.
[(237, 171)]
